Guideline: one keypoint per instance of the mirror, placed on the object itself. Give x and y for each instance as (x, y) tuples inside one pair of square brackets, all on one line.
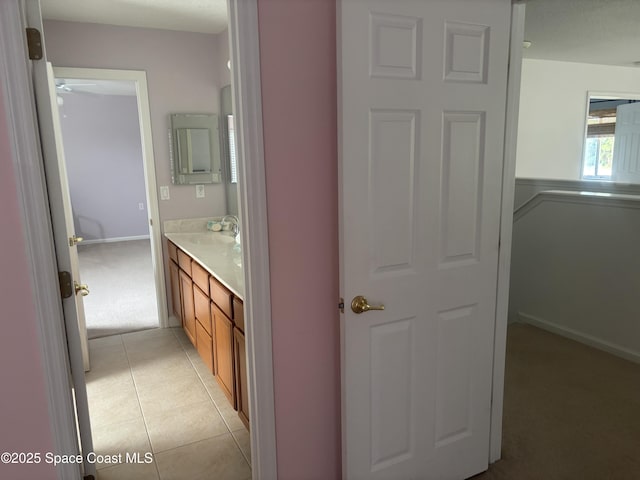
[(195, 149), (611, 133)]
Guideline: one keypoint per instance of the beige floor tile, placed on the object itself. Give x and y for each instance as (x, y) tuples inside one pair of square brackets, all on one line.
[(229, 415), (211, 384), (111, 340), (143, 335), (185, 425), (243, 439), (120, 439), (162, 370), (117, 407), (145, 352), (129, 471), (165, 398), (181, 336), (108, 381), (107, 357), (215, 458)]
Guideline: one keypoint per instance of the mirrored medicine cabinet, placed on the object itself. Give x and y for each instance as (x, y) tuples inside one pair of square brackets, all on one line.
[(195, 149)]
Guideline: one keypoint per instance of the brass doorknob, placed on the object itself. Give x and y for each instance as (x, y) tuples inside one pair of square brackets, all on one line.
[(75, 240), (360, 304), (81, 288)]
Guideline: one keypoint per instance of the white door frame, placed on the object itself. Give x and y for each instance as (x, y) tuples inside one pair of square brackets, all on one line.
[(247, 110), (506, 226), (139, 77), (19, 101), (29, 177)]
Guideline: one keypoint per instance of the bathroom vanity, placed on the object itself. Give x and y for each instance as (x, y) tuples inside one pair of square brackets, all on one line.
[(207, 291)]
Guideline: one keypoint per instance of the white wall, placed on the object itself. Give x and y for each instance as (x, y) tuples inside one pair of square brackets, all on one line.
[(553, 99)]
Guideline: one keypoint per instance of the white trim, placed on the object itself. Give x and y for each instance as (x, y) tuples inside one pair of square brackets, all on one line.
[(115, 239), (29, 177), (591, 198), (506, 226), (595, 342), (247, 108), (139, 77)]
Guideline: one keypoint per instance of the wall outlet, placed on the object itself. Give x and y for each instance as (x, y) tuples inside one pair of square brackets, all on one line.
[(199, 191), (164, 192), (141, 206)]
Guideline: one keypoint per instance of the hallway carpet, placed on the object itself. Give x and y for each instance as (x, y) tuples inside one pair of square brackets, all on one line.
[(570, 411), (120, 278)]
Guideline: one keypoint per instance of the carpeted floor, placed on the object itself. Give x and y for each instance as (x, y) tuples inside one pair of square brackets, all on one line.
[(570, 411), (121, 282)]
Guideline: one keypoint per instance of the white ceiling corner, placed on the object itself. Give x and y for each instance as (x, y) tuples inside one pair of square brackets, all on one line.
[(590, 31), (201, 16), (605, 32)]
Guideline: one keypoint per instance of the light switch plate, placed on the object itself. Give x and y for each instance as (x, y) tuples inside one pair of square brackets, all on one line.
[(199, 191), (164, 192)]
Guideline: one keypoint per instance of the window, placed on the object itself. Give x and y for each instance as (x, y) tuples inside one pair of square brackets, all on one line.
[(606, 112), (598, 152)]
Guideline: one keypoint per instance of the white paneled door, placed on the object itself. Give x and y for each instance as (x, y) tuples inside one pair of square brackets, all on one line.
[(626, 147), (423, 92)]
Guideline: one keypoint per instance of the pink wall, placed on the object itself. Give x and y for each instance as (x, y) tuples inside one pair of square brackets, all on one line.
[(24, 420), (298, 68), (182, 76)]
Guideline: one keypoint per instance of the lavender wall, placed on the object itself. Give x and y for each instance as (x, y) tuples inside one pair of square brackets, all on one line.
[(24, 420), (103, 153), (298, 68), (182, 76)]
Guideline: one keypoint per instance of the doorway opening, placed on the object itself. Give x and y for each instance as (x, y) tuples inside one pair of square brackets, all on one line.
[(105, 160)]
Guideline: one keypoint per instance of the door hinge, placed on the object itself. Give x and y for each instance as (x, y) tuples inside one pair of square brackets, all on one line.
[(151, 222), (89, 477), (34, 43), (341, 305), (66, 287)]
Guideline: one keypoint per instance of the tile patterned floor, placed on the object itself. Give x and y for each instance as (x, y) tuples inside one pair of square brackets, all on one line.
[(149, 392)]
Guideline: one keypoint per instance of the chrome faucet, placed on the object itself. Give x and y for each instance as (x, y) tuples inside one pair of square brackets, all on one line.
[(236, 224)]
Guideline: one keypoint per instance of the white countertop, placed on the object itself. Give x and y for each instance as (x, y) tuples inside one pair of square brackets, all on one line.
[(218, 253)]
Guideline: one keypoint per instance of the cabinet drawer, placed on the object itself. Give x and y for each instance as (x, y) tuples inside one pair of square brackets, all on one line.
[(203, 308), (173, 251), (200, 277), (238, 313), (221, 296), (205, 346), (184, 261)]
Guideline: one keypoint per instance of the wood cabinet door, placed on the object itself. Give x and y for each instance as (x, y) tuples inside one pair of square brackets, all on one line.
[(242, 395), (188, 308), (205, 349), (223, 352), (176, 300)]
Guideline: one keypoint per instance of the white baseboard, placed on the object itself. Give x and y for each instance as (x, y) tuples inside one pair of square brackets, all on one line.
[(115, 239), (590, 340)]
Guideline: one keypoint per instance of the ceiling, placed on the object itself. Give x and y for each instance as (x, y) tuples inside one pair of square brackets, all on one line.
[(590, 31), (605, 32), (203, 16)]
